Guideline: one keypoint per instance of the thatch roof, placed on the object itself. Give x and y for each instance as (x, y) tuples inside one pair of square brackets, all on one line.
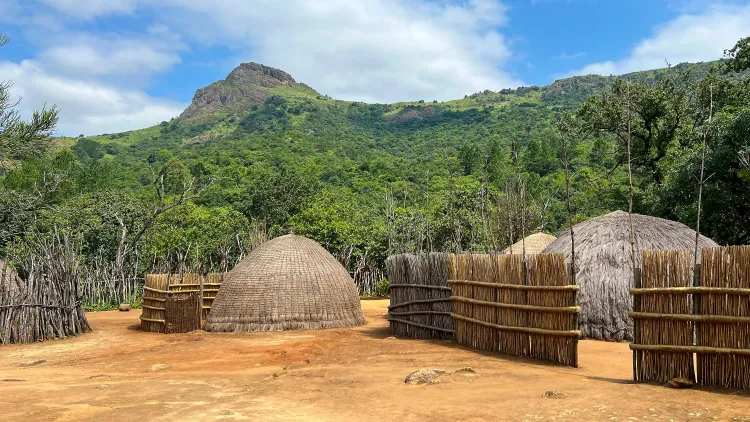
[(288, 283), (535, 243), (604, 269)]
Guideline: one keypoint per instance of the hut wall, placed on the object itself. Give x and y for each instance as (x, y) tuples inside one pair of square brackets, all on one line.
[(505, 305), (680, 313), (158, 288), (420, 297)]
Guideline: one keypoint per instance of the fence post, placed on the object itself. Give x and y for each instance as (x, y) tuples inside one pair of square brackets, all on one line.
[(200, 301), (571, 281), (637, 283), (696, 311)]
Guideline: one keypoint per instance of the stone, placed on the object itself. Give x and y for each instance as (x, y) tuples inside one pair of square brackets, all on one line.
[(32, 363), (423, 376), (159, 367), (125, 307), (679, 383), (555, 394)]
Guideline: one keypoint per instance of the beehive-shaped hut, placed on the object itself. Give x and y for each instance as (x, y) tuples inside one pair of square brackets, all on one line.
[(534, 243), (604, 268), (288, 283)]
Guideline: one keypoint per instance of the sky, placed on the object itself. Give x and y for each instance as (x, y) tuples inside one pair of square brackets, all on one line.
[(117, 65)]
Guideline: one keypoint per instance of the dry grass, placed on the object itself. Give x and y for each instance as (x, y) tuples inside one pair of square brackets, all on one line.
[(535, 244), (604, 269), (724, 267), (288, 283), (492, 314), (664, 269), (422, 279)]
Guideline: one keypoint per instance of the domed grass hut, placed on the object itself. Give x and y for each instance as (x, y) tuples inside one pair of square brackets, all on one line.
[(535, 244), (288, 283), (604, 270)]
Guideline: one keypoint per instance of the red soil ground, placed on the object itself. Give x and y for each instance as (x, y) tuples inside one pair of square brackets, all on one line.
[(329, 375)]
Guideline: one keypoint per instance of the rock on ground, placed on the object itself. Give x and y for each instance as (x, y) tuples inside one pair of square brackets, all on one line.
[(159, 367), (32, 363), (679, 383), (125, 307), (424, 376), (555, 394)]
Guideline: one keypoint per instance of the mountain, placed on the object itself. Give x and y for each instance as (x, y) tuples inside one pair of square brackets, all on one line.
[(247, 85), (276, 147)]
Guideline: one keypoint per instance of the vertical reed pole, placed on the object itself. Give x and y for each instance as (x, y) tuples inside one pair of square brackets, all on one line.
[(523, 201), (701, 180), (201, 279), (636, 324), (561, 127), (630, 179)]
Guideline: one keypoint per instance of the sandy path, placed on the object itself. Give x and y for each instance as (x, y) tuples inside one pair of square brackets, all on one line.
[(332, 375)]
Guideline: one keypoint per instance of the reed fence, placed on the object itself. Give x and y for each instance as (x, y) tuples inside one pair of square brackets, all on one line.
[(420, 297), (679, 314), (158, 289), (664, 270), (504, 304)]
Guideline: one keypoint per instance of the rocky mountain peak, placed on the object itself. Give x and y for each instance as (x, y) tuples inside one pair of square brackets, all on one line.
[(258, 74), (245, 86)]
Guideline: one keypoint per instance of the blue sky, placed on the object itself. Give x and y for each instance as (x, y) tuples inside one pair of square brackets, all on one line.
[(114, 65)]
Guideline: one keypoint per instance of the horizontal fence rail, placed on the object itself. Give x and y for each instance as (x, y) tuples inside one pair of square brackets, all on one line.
[(504, 304), (693, 322)]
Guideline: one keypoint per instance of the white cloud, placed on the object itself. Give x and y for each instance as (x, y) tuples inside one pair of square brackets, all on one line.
[(88, 9), (85, 107), (375, 50), (84, 54), (687, 38), (566, 56), (384, 50), (10, 11)]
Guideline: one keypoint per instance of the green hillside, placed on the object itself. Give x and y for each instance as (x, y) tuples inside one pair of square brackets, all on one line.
[(366, 180)]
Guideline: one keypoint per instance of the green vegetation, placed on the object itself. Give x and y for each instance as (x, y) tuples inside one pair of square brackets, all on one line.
[(366, 180)]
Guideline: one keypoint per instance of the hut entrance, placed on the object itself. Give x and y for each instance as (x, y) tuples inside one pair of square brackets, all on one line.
[(182, 312)]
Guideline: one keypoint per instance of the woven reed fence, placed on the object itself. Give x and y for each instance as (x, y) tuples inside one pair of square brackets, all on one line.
[(158, 289), (679, 313), (420, 297), (526, 309)]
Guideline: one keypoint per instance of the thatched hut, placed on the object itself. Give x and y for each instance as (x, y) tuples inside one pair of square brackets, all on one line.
[(535, 244), (288, 283), (604, 268)]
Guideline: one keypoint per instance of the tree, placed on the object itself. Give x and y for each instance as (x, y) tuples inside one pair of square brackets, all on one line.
[(20, 139), (738, 57), (647, 115)]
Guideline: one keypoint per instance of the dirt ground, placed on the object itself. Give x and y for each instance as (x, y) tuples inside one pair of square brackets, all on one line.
[(329, 375)]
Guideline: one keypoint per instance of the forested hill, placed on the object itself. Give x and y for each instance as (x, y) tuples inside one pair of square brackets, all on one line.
[(369, 179)]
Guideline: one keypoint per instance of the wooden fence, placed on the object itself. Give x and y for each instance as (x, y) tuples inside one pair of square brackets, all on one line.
[(159, 288), (420, 296), (680, 313), (523, 309)]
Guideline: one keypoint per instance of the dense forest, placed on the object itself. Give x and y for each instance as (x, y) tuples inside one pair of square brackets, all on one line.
[(368, 180)]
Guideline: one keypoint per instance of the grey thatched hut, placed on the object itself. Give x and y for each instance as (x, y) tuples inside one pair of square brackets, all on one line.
[(288, 283), (604, 269)]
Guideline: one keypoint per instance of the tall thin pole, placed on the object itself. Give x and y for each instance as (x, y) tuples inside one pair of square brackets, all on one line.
[(630, 180), (564, 142), (523, 201), (700, 182)]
